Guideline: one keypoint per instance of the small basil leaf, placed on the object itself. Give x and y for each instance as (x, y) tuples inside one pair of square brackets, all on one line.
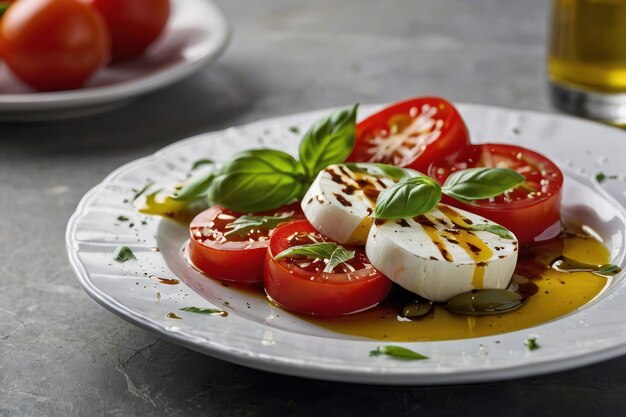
[(408, 198), (199, 310), (244, 224), (478, 183), (336, 254), (195, 188), (531, 343), (329, 141), (257, 180), (201, 162), (608, 269), (123, 254), (496, 229), (340, 255), (393, 172), (398, 352)]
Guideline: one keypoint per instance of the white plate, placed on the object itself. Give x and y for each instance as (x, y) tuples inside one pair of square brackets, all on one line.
[(263, 337), (196, 33)]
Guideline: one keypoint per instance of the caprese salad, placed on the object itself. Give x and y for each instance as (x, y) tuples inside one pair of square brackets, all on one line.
[(400, 203)]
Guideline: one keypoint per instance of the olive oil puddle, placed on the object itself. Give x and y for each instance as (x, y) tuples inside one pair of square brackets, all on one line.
[(548, 294)]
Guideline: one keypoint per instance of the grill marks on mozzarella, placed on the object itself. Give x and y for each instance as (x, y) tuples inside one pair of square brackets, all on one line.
[(438, 256)]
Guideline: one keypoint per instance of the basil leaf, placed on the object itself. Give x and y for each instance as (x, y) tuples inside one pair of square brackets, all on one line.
[(257, 180), (408, 198), (478, 183), (531, 343), (398, 352), (199, 310), (329, 141), (336, 254), (123, 254), (608, 269), (393, 172), (4, 6), (195, 188), (496, 229), (245, 223), (201, 162)]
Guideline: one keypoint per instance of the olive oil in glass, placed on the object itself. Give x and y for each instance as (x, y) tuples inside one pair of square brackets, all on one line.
[(587, 58)]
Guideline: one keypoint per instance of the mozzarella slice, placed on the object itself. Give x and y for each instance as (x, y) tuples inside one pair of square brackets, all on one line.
[(342, 199), (438, 256)]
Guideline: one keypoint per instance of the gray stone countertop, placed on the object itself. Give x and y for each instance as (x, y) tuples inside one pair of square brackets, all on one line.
[(63, 355)]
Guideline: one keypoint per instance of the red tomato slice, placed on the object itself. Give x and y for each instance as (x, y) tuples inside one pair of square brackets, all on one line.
[(300, 285), (231, 257), (411, 133), (531, 211)]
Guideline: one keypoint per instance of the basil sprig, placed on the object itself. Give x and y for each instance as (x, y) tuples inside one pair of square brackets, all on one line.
[(257, 180), (336, 254), (244, 224), (418, 195), (329, 141), (408, 198), (265, 179), (479, 183)]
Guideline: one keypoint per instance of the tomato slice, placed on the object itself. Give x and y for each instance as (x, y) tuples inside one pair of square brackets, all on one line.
[(531, 211), (411, 133), (231, 256), (300, 285)]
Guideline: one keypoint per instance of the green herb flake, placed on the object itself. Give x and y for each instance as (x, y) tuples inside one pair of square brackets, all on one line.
[(142, 191), (244, 224), (122, 218), (496, 229), (336, 254), (199, 310), (601, 177), (294, 129), (531, 343), (123, 254), (398, 352)]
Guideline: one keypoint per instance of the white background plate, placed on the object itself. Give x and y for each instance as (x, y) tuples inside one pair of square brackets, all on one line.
[(266, 338), (196, 33)]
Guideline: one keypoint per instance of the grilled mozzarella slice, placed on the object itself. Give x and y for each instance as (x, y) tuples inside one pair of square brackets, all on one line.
[(437, 255), (341, 201)]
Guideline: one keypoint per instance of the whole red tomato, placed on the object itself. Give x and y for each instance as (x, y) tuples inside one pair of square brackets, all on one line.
[(133, 24), (53, 44)]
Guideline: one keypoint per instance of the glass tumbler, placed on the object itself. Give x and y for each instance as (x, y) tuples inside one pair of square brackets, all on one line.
[(587, 58)]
